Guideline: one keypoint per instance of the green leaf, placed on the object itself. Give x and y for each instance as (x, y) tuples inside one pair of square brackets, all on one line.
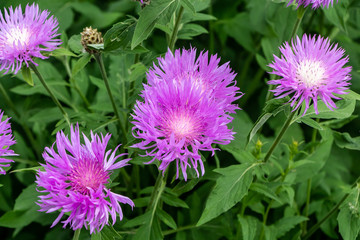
[(148, 18), (173, 201), (349, 216), (27, 198), (191, 30), (188, 5), (74, 43), (109, 233), (287, 223), (120, 35), (166, 218), (345, 109), (249, 227), (59, 52), (344, 140), (81, 63), (265, 190), (230, 188), (25, 71)]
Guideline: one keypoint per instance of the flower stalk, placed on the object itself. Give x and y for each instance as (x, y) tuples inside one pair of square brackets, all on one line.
[(55, 100)]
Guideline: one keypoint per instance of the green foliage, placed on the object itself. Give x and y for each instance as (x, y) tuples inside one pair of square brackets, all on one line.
[(308, 175)]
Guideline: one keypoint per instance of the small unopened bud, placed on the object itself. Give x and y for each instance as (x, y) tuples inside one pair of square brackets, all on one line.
[(294, 147), (91, 36), (257, 151)]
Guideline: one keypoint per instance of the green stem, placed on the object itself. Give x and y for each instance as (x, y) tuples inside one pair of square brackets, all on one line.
[(175, 31), (158, 189), (330, 213), (179, 229), (279, 137), (77, 234), (58, 104), (99, 60), (300, 15)]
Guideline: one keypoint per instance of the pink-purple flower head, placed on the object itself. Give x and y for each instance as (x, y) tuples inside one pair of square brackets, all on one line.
[(314, 3), (311, 68), (24, 35), (74, 180), (217, 80), (185, 110), (6, 141)]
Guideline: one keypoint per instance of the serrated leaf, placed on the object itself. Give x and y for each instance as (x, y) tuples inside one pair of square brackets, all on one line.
[(287, 223), (26, 73), (148, 18), (230, 188)]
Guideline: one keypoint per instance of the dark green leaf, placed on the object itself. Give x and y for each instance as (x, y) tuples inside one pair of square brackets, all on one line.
[(148, 18), (81, 63), (230, 188)]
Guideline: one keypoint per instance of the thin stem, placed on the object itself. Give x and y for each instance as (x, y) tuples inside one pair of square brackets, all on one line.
[(58, 104), (77, 234), (279, 137), (330, 213), (175, 31), (99, 60), (179, 229), (158, 189), (300, 15)]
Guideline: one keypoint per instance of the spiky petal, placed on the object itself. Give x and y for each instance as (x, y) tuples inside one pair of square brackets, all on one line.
[(74, 180), (24, 35), (314, 3), (185, 109), (311, 68), (6, 141)]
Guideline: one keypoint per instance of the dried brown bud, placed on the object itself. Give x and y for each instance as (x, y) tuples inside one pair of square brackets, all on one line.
[(91, 36)]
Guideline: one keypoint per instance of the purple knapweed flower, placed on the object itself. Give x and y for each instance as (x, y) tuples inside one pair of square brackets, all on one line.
[(310, 69), (24, 36), (74, 179), (6, 140), (215, 79), (315, 3), (185, 109)]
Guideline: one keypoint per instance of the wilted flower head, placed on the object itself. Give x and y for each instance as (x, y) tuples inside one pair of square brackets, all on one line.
[(74, 179), (24, 35), (184, 110), (315, 3), (6, 141), (217, 80), (91, 36), (310, 69)]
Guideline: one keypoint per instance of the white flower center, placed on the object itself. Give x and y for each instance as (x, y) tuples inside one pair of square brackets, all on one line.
[(182, 126), (310, 73), (18, 35)]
